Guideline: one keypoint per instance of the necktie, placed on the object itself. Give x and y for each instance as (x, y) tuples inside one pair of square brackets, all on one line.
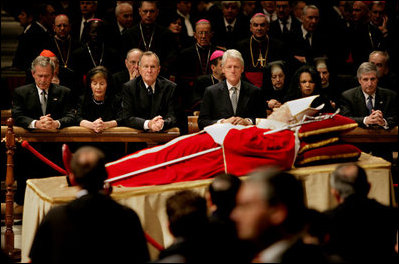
[(229, 28), (369, 103), (308, 39), (43, 101), (123, 31), (149, 90), (285, 29), (234, 99)]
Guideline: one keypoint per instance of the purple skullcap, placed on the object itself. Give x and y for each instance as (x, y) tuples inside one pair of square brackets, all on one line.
[(95, 19), (259, 14), (216, 54), (203, 21)]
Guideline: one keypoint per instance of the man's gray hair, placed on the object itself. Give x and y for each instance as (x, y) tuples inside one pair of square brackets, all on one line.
[(43, 62), (382, 53), (233, 54), (134, 50), (305, 9), (366, 67), (119, 6), (259, 15), (150, 53), (238, 3)]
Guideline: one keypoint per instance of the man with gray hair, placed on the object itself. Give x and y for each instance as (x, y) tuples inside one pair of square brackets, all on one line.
[(309, 41), (233, 100), (368, 104), (131, 71), (361, 229)]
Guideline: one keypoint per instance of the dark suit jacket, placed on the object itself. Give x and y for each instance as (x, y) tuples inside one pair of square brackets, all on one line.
[(138, 106), (287, 38), (27, 107), (30, 44), (200, 84), (229, 40), (353, 105), (91, 229), (119, 79), (216, 104)]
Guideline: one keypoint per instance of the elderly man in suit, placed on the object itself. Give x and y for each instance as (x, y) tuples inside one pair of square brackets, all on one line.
[(148, 100), (233, 100), (368, 104)]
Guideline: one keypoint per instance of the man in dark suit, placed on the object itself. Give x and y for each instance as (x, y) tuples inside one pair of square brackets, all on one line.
[(361, 229), (86, 230), (285, 24), (270, 213), (231, 27), (368, 104), (309, 42), (32, 41), (148, 100), (40, 105), (233, 100), (371, 106), (88, 11)]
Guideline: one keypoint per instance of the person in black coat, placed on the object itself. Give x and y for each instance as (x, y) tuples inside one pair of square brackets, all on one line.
[(148, 100), (275, 83), (41, 105), (86, 229), (360, 229), (233, 100)]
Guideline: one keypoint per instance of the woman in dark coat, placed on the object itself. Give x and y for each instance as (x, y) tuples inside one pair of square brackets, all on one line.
[(275, 84)]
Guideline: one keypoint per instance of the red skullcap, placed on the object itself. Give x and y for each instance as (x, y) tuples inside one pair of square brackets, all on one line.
[(47, 53), (216, 54)]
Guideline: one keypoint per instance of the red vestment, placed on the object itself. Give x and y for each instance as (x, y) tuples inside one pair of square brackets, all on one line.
[(242, 151)]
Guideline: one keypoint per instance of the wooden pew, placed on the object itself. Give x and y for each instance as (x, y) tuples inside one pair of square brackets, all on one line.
[(81, 134)]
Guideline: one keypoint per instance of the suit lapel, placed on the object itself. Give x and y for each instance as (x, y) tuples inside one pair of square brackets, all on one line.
[(37, 105), (156, 98), (379, 100), (361, 102), (242, 99)]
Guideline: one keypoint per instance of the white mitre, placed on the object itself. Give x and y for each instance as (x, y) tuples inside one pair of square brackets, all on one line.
[(290, 112)]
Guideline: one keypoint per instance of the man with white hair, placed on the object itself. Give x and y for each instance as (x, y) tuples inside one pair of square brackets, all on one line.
[(124, 16), (233, 100)]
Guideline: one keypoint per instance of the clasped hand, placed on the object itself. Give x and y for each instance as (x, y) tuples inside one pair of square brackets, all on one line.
[(156, 124), (46, 122), (236, 120), (375, 118)]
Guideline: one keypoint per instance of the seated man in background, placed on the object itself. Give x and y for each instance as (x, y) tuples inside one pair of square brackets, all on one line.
[(233, 100), (76, 232), (361, 229), (386, 78), (148, 101)]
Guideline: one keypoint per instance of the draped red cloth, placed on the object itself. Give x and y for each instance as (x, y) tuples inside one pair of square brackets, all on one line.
[(243, 150)]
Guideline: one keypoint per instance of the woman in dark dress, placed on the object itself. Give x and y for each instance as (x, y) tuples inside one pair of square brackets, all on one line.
[(306, 82), (100, 108)]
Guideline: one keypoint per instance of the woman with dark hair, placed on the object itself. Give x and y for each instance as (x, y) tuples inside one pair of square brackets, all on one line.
[(175, 25), (100, 107), (306, 82), (275, 83)]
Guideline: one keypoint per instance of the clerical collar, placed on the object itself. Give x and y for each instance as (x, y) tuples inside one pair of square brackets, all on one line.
[(60, 39), (259, 40), (202, 47)]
